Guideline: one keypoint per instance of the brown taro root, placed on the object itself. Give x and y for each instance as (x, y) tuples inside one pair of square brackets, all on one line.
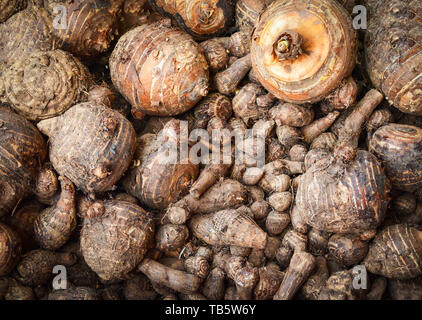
[(341, 98), (291, 114), (222, 195), (115, 237), (10, 249), (91, 145), (9, 7), (270, 278), (214, 105), (318, 127), (36, 267), (399, 146), (378, 119), (213, 287), (160, 70), (198, 266), (45, 84), (302, 50), (201, 18), (227, 81), (346, 191), (175, 279), (348, 250), (247, 14), (339, 286), (208, 177), (396, 252), (54, 226), (244, 103), (26, 31), (74, 293), (46, 184), (228, 227), (326, 140), (161, 178), (316, 282), (22, 222), (170, 237), (88, 27), (393, 52), (300, 268), (23, 152)]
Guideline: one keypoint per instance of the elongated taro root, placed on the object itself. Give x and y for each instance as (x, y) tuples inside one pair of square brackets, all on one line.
[(319, 126), (54, 226), (398, 146), (175, 279), (36, 267), (23, 152), (227, 81), (115, 237), (45, 84), (345, 192), (228, 227), (10, 249), (23, 33), (160, 70), (91, 145), (201, 18), (393, 52), (396, 252), (247, 14), (165, 173), (302, 50)]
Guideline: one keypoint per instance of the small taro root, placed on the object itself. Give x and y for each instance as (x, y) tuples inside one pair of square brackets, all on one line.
[(200, 18), (160, 70), (115, 239), (247, 14), (252, 175), (290, 114), (45, 84), (10, 249), (339, 286), (347, 249), (270, 278), (46, 184), (175, 279), (295, 240), (9, 7), (326, 140), (214, 105), (90, 25), (280, 201), (398, 147), (378, 119), (244, 103), (298, 152), (23, 152), (36, 267), (208, 177), (198, 266), (396, 252), (22, 222), (319, 126), (345, 192), (217, 55), (54, 226), (228, 227), (171, 237), (341, 98), (260, 209), (300, 268), (317, 241), (302, 50), (213, 287), (160, 179), (316, 282), (74, 293), (288, 136), (227, 81), (93, 153), (17, 291), (393, 52), (276, 222)]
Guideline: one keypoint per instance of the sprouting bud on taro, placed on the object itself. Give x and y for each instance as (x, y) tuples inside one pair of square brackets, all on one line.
[(23, 152), (94, 152), (160, 70), (115, 242)]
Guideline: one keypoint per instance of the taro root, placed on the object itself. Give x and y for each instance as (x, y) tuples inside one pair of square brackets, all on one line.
[(227, 81), (46, 184), (302, 50), (9, 7), (270, 278), (345, 191), (17, 291), (291, 114), (23, 152), (399, 147), (244, 103), (54, 226), (115, 237), (201, 18), (393, 52), (347, 250), (164, 174), (45, 84), (214, 105), (160, 70), (36, 267), (213, 287), (247, 14), (89, 26), (396, 252), (25, 32), (228, 227), (91, 145), (10, 249)]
